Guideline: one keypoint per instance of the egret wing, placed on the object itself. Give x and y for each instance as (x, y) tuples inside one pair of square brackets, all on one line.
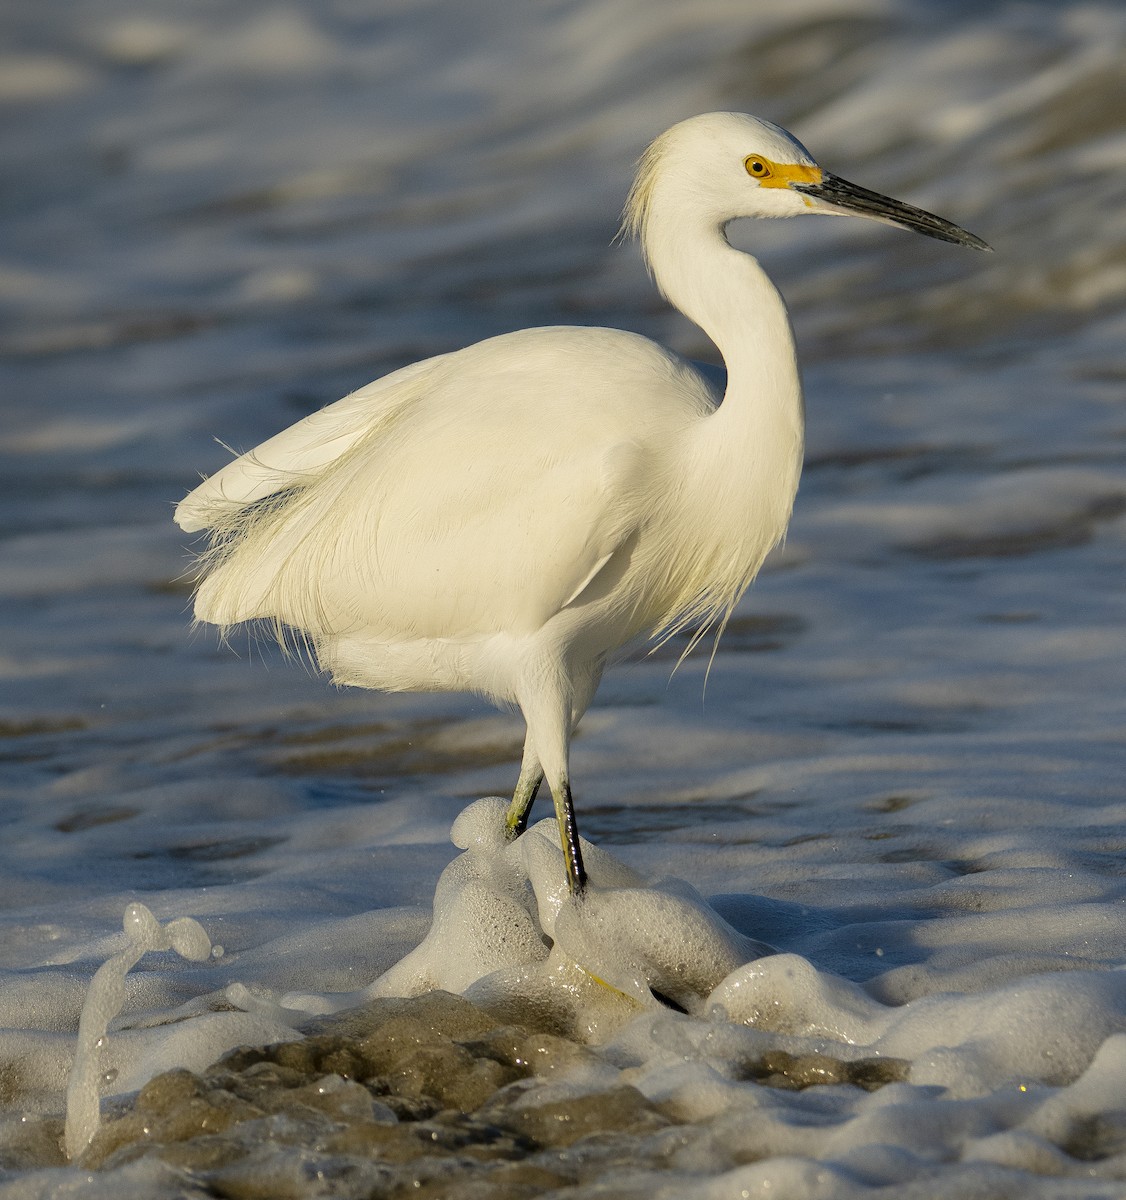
[(484, 497), (301, 452), (452, 560)]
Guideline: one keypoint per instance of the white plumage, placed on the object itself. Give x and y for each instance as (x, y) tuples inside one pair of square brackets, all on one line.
[(503, 518)]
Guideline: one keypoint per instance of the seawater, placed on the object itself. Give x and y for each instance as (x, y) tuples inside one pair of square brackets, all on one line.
[(905, 769)]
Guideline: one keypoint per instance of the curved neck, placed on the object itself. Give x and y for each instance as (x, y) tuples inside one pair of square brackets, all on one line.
[(730, 297)]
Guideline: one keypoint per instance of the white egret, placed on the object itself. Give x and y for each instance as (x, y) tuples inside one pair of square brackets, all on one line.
[(503, 518)]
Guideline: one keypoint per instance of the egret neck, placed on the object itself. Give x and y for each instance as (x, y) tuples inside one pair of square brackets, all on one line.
[(753, 443)]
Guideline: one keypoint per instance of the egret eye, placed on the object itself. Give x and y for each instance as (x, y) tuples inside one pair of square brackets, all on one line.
[(757, 167)]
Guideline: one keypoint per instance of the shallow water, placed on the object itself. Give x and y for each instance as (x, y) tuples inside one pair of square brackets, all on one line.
[(906, 769)]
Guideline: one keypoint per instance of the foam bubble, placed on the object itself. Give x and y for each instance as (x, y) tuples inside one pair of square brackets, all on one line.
[(661, 939), (507, 933), (104, 999)]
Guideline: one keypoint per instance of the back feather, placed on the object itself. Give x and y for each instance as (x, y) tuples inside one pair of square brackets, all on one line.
[(297, 455)]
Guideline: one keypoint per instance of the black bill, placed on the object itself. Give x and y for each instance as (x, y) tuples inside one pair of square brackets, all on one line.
[(848, 197)]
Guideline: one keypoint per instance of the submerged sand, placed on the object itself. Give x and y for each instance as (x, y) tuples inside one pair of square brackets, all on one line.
[(423, 1097)]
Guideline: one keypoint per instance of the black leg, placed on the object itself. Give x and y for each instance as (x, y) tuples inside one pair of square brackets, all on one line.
[(569, 838)]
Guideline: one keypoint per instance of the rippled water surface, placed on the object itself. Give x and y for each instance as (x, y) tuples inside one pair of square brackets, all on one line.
[(907, 766)]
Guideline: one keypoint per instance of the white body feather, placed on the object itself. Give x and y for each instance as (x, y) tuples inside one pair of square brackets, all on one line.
[(453, 515)]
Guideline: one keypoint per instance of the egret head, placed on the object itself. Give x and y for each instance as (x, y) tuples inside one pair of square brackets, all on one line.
[(721, 166)]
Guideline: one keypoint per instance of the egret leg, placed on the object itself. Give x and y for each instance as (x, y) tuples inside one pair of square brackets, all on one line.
[(531, 773), (531, 776), (569, 837), (585, 685), (553, 703)]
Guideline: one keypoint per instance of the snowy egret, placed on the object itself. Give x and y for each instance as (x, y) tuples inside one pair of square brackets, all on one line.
[(503, 518)]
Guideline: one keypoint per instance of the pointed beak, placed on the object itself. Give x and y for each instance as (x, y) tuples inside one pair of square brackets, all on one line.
[(831, 194)]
